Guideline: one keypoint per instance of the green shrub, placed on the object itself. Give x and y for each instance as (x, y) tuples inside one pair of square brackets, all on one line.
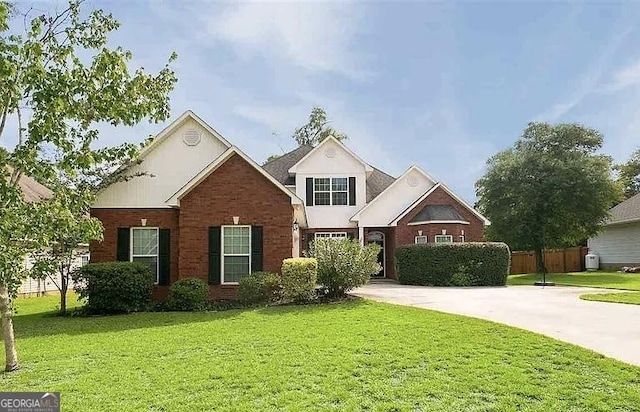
[(343, 264), (453, 264), (299, 279), (114, 287), (260, 287), (188, 294)]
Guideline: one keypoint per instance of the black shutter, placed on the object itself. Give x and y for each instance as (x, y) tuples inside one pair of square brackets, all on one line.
[(256, 248), (164, 270), (309, 191), (122, 246), (352, 191), (214, 255), (351, 235)]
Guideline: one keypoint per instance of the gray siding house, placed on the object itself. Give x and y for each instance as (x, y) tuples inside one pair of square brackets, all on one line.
[(619, 242)]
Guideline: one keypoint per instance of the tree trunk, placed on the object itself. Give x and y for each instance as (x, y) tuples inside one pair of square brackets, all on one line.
[(540, 266), (64, 284), (7, 330)]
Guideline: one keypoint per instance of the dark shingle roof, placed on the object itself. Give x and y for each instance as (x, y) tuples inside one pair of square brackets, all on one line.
[(437, 212), (279, 168), (627, 210), (377, 181)]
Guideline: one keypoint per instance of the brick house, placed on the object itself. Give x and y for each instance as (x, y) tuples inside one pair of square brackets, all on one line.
[(205, 209)]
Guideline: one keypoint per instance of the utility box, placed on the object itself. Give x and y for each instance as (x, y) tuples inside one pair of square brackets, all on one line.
[(592, 262)]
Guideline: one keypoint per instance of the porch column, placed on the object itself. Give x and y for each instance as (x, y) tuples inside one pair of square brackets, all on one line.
[(361, 235), (295, 249)]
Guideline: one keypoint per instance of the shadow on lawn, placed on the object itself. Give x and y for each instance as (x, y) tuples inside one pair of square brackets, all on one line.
[(49, 324)]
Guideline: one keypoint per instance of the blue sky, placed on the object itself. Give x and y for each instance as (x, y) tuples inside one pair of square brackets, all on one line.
[(440, 85)]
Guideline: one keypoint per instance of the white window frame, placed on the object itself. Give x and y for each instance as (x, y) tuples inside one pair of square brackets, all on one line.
[(330, 235), (440, 239), (461, 238), (223, 255), (421, 237), (331, 191), (157, 255)]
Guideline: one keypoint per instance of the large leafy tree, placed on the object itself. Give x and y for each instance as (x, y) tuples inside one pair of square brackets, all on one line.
[(551, 189), (59, 79), (629, 175)]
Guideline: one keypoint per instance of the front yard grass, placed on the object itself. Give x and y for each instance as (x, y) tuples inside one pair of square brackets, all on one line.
[(356, 355), (607, 280), (632, 298)]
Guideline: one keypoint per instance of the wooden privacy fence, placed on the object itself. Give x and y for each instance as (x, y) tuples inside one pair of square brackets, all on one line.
[(556, 260)]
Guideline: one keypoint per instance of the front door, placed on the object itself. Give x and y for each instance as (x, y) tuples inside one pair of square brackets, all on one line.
[(378, 239)]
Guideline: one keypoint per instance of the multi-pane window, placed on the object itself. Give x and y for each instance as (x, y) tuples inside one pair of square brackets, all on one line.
[(144, 248), (331, 191), (331, 235), (443, 238), (236, 253), (420, 239)]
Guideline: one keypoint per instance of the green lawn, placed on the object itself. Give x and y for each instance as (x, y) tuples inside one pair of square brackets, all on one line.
[(607, 280), (356, 355), (632, 298)]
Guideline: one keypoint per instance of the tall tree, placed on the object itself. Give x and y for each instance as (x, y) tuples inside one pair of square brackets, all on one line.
[(629, 175), (316, 129), (550, 190), (58, 80)]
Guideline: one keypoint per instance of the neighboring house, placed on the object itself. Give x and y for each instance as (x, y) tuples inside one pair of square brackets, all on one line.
[(619, 242), (205, 209)]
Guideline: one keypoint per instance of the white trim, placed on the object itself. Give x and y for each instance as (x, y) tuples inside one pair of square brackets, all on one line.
[(367, 166), (426, 240), (356, 216), (211, 167), (157, 255), (384, 253), (461, 239), (622, 222), (436, 237), (428, 222), (330, 191), (222, 254), (394, 222)]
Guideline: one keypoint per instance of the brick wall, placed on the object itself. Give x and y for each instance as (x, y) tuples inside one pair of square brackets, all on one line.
[(234, 189), (112, 219), (474, 232)]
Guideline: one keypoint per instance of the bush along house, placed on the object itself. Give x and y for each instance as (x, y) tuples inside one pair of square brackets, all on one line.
[(204, 209)]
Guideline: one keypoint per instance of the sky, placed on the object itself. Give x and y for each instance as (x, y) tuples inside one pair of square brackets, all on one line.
[(441, 85)]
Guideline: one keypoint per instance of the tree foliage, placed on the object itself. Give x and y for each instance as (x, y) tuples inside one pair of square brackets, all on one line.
[(551, 189), (58, 80), (316, 129), (629, 175)]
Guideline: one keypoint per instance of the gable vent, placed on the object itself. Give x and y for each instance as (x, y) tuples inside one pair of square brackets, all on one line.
[(412, 181), (330, 152), (191, 137)]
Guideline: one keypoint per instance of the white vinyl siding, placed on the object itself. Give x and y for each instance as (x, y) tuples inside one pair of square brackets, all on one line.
[(236, 253), (330, 191), (617, 244), (443, 238), (144, 247)]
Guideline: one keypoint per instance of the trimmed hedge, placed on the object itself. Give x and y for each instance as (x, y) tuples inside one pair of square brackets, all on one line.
[(453, 264), (189, 294), (114, 287), (260, 287), (299, 277)]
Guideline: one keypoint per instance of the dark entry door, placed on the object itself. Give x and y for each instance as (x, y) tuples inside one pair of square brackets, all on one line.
[(378, 239)]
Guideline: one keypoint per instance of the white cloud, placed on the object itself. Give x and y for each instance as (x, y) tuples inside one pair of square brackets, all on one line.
[(628, 76), (316, 36)]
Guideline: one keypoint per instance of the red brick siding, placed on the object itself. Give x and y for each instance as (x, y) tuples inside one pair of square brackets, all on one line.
[(474, 232), (234, 189), (112, 219)]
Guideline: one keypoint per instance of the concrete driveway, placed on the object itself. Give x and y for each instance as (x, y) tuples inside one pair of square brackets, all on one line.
[(608, 328)]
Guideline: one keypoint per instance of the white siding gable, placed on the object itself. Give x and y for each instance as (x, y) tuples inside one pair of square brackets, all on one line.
[(396, 198), (170, 165), (331, 159), (617, 244)]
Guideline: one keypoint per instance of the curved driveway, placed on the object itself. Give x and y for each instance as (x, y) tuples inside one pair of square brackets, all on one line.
[(608, 328)]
